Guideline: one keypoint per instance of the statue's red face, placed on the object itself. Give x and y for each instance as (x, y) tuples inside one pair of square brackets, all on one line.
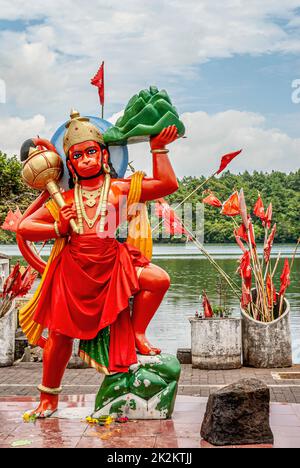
[(86, 158)]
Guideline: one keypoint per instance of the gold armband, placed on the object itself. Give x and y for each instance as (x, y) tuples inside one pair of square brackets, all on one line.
[(56, 229), (160, 151)]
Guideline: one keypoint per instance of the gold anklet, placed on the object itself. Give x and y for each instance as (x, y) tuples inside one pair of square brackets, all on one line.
[(50, 391)]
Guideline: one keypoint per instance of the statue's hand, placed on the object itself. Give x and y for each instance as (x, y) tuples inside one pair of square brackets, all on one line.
[(66, 213), (166, 136)]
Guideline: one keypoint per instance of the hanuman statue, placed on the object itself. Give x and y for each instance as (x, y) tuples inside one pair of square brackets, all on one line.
[(87, 285)]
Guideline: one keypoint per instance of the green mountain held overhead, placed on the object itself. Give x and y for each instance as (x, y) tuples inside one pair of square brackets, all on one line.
[(146, 114)]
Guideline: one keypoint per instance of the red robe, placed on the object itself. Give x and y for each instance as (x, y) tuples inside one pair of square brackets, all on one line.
[(87, 288)]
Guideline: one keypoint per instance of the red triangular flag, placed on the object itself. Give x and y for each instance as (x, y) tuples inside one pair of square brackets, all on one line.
[(246, 296), (212, 200), (243, 233), (226, 160), (98, 81), (232, 206), (285, 279), (208, 311), (259, 209), (245, 269), (11, 221), (268, 217)]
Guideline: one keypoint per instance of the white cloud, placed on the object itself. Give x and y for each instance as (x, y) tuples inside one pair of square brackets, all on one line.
[(14, 131), (48, 64), (211, 136)]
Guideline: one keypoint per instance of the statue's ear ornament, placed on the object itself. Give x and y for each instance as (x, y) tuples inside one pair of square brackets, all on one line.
[(105, 164)]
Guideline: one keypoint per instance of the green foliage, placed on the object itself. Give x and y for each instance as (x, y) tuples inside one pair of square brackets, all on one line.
[(222, 312), (283, 190), (13, 192)]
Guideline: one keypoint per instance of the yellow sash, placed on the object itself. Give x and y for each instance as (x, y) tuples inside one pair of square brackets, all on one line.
[(139, 230), (139, 235)]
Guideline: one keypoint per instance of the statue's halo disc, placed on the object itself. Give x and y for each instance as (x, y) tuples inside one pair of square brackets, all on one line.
[(118, 154)]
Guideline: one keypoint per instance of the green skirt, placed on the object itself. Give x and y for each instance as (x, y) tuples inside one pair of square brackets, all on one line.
[(95, 352)]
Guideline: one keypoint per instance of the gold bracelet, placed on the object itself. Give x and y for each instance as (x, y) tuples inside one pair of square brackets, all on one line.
[(160, 151), (56, 229)]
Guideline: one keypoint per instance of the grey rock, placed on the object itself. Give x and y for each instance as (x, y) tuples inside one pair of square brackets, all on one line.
[(238, 415)]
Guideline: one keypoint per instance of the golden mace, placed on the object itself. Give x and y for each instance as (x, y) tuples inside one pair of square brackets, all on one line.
[(43, 169)]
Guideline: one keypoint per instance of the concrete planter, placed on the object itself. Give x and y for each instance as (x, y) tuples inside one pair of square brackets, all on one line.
[(8, 325), (216, 343), (267, 345)]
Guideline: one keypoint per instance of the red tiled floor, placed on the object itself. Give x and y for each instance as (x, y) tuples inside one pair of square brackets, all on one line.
[(182, 431), (178, 442), (117, 442)]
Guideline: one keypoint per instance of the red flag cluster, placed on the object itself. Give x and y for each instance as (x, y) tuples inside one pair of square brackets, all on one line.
[(12, 220), (249, 262), (17, 284)]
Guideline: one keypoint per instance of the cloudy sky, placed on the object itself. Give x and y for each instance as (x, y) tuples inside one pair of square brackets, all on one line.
[(228, 65)]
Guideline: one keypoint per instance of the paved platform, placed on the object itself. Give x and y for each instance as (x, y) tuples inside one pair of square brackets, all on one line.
[(72, 431), (23, 378)]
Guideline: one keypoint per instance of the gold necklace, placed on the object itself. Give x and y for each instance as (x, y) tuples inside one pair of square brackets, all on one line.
[(77, 207), (91, 196), (101, 208), (90, 222)]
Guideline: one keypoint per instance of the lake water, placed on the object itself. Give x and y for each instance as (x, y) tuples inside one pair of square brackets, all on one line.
[(190, 273)]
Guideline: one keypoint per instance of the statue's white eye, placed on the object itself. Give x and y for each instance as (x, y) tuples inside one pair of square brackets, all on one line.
[(92, 151), (77, 155)]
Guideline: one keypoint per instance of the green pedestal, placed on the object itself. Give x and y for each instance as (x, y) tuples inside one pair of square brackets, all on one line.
[(147, 391)]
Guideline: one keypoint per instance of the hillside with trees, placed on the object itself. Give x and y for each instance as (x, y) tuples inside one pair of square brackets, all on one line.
[(280, 188), (283, 190)]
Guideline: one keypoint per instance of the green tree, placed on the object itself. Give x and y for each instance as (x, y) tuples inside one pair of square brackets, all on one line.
[(13, 192)]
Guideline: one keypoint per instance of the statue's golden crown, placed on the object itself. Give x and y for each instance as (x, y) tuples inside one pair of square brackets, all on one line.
[(80, 129)]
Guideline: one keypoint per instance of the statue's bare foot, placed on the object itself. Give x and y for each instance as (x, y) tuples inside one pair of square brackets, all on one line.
[(144, 346), (48, 405)]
